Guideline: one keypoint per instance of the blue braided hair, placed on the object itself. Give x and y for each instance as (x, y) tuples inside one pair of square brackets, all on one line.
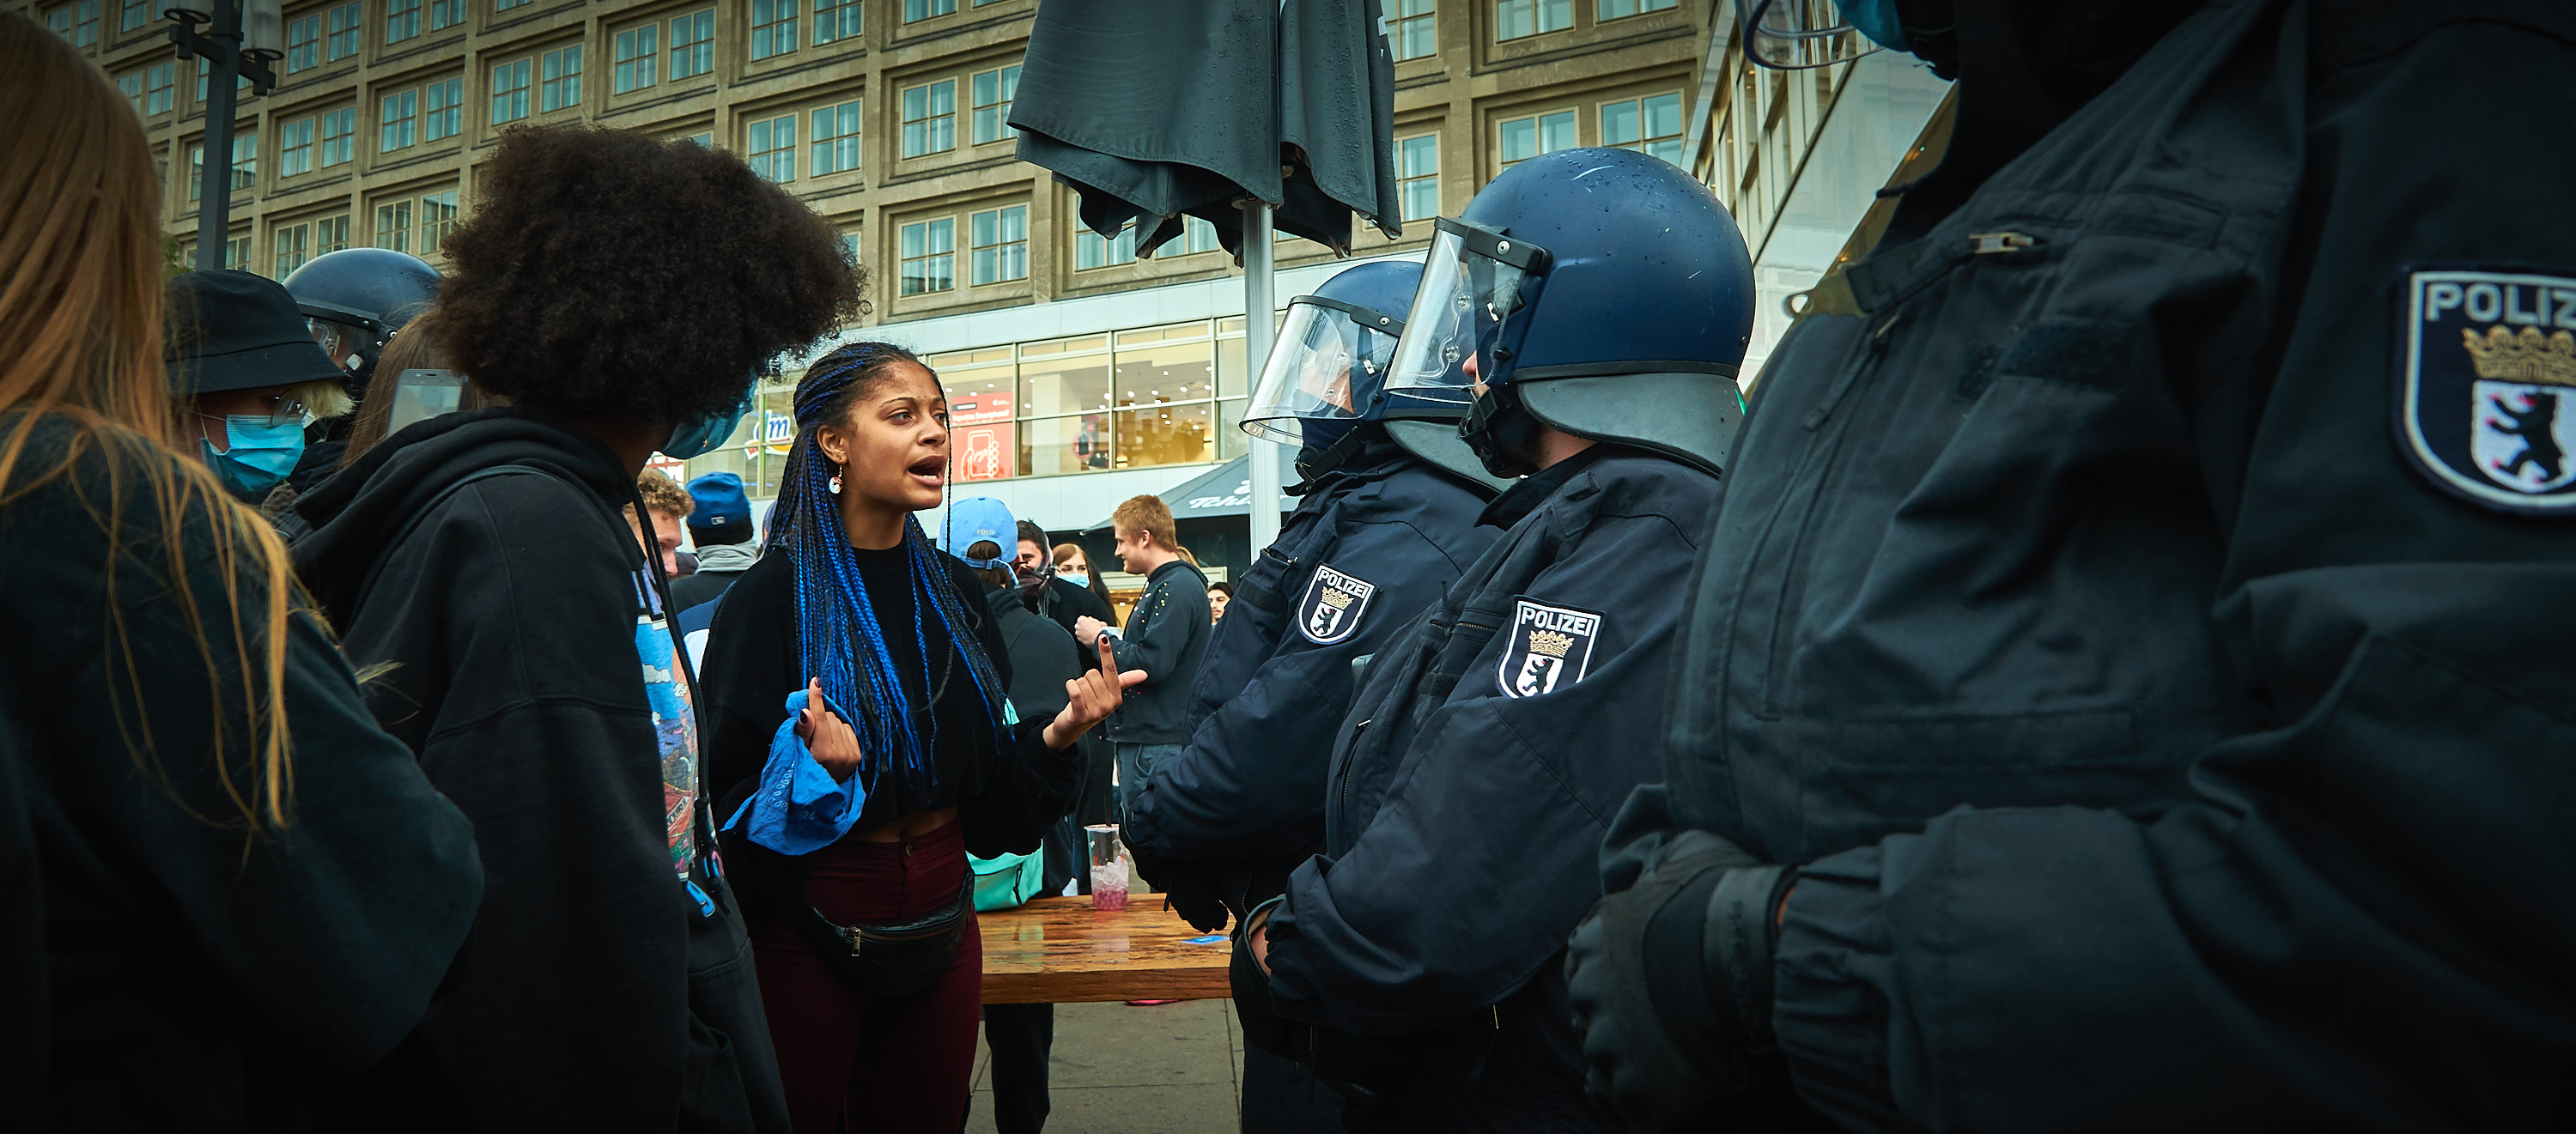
[(839, 640)]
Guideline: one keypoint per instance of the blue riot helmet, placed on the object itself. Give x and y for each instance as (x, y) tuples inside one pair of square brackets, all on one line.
[(356, 298), (1326, 374), (1602, 292)]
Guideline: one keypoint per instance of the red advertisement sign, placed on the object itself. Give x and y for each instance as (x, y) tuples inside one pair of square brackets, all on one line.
[(981, 436)]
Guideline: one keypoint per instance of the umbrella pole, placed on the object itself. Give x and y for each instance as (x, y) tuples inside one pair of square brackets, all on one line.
[(1258, 305)]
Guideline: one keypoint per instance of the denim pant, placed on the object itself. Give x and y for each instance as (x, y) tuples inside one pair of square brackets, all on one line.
[(1135, 766)]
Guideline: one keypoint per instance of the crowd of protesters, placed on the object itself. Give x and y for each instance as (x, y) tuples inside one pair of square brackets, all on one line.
[(416, 825)]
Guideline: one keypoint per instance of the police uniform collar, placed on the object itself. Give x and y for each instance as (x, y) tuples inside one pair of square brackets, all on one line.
[(1524, 496)]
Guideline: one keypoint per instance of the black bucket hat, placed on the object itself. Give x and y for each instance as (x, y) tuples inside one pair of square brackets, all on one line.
[(232, 330)]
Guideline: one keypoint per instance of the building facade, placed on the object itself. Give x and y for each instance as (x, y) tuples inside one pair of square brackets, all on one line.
[(1081, 374)]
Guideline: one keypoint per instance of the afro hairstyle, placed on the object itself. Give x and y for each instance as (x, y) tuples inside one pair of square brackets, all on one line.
[(606, 273)]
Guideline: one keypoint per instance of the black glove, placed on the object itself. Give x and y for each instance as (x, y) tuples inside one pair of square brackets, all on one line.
[(1671, 986), (1187, 891)]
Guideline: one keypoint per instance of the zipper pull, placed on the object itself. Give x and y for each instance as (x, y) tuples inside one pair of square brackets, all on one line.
[(1991, 243)]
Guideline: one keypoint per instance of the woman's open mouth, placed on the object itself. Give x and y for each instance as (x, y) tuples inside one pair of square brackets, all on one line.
[(931, 471)]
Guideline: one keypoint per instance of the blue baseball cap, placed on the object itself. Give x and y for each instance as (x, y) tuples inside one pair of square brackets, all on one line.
[(722, 509), (975, 520)]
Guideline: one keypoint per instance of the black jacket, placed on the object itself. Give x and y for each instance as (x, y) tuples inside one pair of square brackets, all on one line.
[(1167, 637), (165, 970), (1043, 656), (1366, 550), (1065, 602), (2167, 747), (594, 994), (1483, 758)]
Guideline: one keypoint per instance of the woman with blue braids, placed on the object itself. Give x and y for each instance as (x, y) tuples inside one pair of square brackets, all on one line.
[(865, 746)]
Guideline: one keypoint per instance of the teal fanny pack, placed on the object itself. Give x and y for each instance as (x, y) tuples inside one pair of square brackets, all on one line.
[(1007, 881)]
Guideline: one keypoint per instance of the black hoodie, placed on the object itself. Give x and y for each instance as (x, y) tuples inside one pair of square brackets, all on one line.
[(593, 994)]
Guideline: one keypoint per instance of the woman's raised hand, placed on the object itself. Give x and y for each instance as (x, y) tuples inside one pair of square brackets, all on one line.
[(834, 745), (1091, 698)]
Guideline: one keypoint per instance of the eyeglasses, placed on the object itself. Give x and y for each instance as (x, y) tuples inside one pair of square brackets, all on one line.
[(282, 410)]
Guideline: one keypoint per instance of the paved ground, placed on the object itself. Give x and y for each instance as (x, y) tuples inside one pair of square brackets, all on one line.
[(1172, 1069)]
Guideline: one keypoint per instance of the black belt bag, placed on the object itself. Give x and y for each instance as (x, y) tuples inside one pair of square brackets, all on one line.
[(890, 960)]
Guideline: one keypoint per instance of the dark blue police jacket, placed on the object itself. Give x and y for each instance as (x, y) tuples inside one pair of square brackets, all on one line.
[(1486, 753), (2145, 633), (1365, 551)]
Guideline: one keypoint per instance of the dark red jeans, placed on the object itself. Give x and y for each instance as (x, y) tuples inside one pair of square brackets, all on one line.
[(896, 1065)]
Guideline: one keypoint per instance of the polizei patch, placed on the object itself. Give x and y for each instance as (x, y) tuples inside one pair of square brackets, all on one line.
[(1549, 649), (2486, 402), (1333, 605)]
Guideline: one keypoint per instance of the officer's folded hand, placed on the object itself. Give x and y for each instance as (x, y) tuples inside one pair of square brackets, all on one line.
[(1189, 892), (1671, 986)]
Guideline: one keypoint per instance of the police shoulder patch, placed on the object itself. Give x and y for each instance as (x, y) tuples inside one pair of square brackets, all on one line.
[(1549, 649), (2486, 386), (1334, 602)]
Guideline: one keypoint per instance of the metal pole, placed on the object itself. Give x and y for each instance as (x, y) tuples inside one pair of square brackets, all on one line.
[(1257, 330), (215, 179)]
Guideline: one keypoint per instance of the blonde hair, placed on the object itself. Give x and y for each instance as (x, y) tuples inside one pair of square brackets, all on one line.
[(1149, 516), (81, 308), (663, 494)]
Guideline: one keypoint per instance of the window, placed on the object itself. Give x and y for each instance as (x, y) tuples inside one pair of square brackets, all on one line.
[(929, 260), (1650, 125), (304, 43), (506, 5), (1516, 18), (339, 131), (1615, 9), (237, 254), (131, 86), (344, 27), (160, 85), (930, 118), (850, 246), (394, 117), (402, 20), (85, 23), (59, 21), (196, 172), (293, 244), (1417, 176), (1525, 138), (393, 225), (442, 110), (924, 9), (773, 27), (446, 13), (295, 148), (560, 82), (134, 15), (836, 139), (993, 91), (704, 139), (693, 44), (637, 51), (1198, 236), (771, 142), (1090, 251), (835, 20), (245, 159), (330, 234), (437, 219), (998, 245), (1417, 34), (510, 92)]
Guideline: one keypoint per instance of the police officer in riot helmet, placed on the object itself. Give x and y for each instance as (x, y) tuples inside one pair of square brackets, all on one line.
[(2130, 685), (1586, 313), (1386, 520), (354, 300)]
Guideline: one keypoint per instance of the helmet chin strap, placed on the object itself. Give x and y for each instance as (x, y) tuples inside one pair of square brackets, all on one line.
[(1501, 432), (1314, 463)]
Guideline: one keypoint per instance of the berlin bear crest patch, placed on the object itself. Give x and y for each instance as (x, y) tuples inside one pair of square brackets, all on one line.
[(1549, 649), (1333, 605), (2486, 399)]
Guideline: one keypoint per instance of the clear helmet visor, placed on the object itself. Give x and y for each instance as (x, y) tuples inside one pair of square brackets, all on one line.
[(1465, 304), (1324, 367)]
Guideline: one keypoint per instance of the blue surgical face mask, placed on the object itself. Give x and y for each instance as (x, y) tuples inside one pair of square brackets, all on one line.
[(704, 435), (1877, 21), (261, 454)]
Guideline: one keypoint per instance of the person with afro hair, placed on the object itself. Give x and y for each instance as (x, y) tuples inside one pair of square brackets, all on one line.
[(624, 295)]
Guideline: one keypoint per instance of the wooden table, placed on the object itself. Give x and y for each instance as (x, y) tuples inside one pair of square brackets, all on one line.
[(1062, 951)]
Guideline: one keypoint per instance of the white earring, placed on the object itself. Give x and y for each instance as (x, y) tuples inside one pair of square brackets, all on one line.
[(835, 484)]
